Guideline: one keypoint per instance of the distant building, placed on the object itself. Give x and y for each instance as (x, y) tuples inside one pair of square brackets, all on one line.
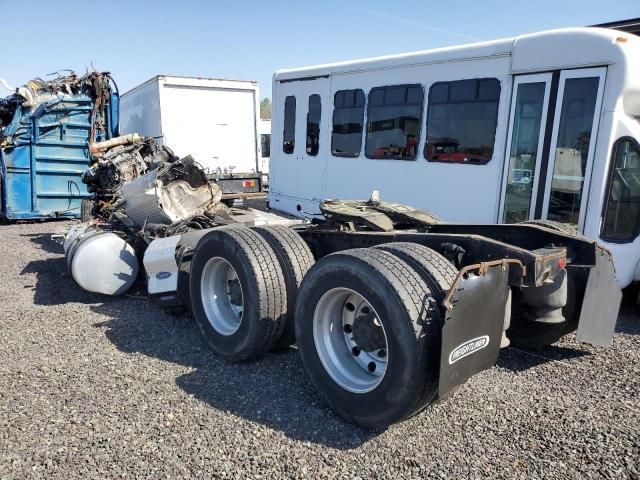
[(631, 25)]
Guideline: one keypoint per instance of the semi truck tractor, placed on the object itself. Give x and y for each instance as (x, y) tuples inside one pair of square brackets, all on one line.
[(391, 308)]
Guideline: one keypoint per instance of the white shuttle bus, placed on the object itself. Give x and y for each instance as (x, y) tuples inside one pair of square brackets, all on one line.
[(540, 126)]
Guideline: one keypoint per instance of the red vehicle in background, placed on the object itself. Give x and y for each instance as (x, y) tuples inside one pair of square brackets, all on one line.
[(448, 152)]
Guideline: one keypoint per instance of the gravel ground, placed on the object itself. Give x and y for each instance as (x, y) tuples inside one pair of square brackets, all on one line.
[(94, 387)]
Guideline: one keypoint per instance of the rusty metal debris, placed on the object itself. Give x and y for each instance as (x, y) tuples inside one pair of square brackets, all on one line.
[(36, 92), (143, 189)]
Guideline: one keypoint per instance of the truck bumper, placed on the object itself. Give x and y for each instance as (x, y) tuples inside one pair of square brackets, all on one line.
[(238, 185)]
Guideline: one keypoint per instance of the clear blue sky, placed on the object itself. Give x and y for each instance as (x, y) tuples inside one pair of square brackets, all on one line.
[(249, 40)]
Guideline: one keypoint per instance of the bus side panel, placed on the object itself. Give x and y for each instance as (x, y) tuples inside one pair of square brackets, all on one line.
[(455, 192)]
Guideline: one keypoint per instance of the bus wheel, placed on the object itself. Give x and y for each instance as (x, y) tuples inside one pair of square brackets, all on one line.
[(295, 259), (366, 331), (237, 293)]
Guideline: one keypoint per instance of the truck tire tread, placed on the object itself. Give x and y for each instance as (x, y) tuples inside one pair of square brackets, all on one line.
[(295, 259), (431, 265), (410, 293), (265, 272), (437, 272)]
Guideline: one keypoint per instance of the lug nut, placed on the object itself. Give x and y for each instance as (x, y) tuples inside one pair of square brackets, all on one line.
[(355, 351), (371, 367), (347, 328)]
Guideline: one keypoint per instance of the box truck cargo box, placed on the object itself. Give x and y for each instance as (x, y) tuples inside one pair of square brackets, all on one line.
[(215, 121)]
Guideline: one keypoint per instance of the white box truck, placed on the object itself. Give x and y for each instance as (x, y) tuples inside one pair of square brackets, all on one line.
[(214, 120)]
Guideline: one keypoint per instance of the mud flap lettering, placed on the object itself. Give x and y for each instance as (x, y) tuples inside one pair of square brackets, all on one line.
[(601, 302), (473, 327)]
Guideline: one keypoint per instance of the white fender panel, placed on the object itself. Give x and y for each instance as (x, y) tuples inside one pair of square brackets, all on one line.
[(160, 265)]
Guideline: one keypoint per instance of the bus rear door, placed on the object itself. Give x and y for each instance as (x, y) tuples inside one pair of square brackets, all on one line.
[(550, 145)]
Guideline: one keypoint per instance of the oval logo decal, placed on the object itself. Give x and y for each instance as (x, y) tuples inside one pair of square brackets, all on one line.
[(467, 348), (163, 275)]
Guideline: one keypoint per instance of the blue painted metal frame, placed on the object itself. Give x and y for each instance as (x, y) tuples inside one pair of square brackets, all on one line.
[(41, 171)]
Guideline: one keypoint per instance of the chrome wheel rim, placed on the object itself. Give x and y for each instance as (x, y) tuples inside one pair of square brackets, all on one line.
[(222, 296), (350, 340)]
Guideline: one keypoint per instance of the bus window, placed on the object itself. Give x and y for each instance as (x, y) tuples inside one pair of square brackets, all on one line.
[(462, 117), (348, 118), (289, 133), (394, 115), (313, 125), (622, 211)]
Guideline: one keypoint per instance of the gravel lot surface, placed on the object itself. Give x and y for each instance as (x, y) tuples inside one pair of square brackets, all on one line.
[(94, 387)]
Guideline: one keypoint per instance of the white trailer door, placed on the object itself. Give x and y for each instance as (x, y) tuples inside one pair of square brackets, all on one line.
[(215, 125), (551, 140), (306, 109)]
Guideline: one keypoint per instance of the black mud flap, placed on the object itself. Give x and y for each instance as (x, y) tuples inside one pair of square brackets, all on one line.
[(601, 302), (473, 327)]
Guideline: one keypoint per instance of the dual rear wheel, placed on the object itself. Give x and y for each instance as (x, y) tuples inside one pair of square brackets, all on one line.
[(243, 284), (368, 325), (367, 321)]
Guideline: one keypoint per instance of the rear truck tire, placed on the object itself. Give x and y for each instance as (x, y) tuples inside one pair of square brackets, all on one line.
[(238, 293), (435, 269), (437, 272), (368, 336), (295, 259), (532, 334)]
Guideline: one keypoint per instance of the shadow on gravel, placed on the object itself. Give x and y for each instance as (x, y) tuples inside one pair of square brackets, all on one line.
[(44, 241), (273, 391), (629, 322), (629, 318), (54, 286), (520, 359)]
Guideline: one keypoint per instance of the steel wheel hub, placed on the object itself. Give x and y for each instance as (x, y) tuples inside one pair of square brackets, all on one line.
[(222, 297), (350, 340)]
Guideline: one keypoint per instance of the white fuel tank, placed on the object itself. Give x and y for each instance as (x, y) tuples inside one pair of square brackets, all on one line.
[(100, 261)]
